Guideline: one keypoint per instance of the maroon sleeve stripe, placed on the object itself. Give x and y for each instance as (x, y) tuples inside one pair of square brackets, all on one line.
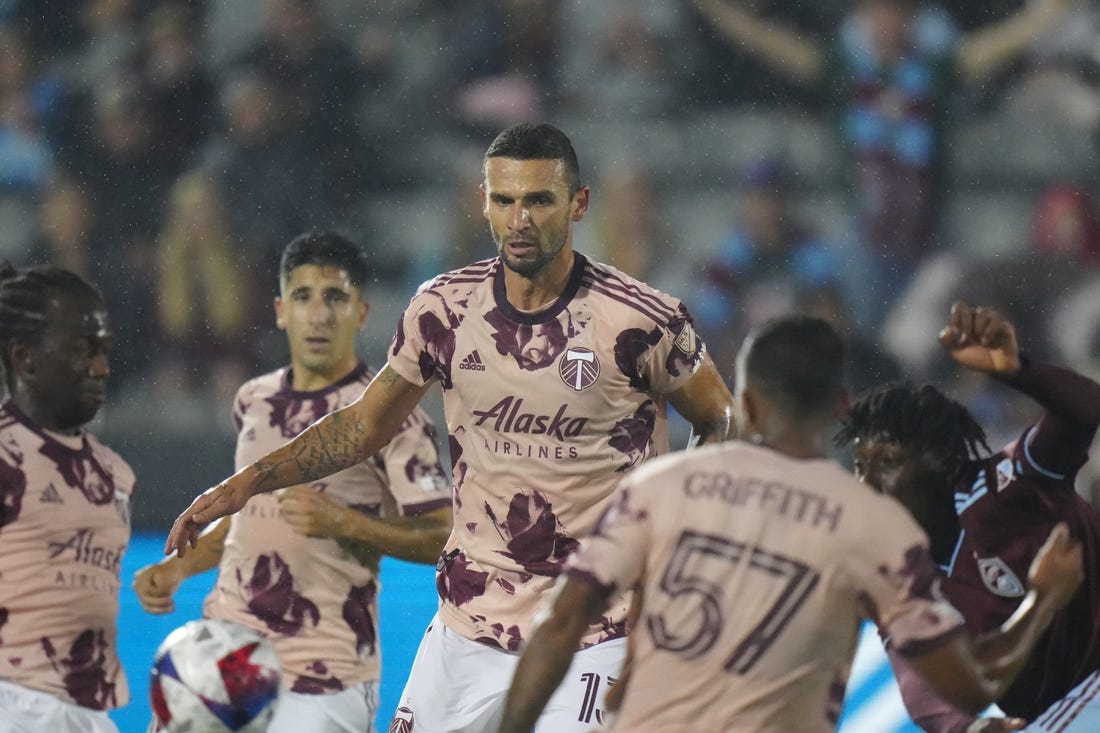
[(637, 289), (633, 303), (475, 272)]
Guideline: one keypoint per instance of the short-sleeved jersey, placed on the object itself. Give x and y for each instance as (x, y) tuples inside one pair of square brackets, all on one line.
[(312, 597), (545, 411), (64, 527), (1006, 515), (755, 571)]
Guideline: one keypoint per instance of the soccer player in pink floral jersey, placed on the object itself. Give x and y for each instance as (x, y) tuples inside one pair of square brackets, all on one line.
[(755, 562), (64, 509), (987, 514), (301, 566), (555, 371)]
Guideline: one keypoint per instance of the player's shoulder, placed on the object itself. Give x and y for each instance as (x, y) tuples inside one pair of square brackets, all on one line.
[(624, 292), (263, 385), (112, 459), (473, 273)]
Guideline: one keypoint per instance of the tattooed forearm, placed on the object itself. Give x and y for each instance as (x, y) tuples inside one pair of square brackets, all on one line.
[(342, 438), (335, 442)]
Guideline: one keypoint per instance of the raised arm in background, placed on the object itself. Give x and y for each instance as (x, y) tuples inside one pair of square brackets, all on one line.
[(800, 58)]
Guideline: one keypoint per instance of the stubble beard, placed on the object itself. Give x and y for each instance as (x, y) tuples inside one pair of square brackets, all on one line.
[(543, 257)]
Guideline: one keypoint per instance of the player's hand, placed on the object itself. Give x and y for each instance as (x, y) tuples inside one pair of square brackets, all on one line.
[(311, 513), (155, 585), (220, 501), (996, 725), (981, 339), (1056, 572)]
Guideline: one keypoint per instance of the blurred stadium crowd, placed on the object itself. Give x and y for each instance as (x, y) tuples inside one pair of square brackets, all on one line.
[(169, 149)]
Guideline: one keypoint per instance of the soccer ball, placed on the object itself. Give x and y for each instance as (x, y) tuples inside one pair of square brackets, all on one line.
[(215, 676)]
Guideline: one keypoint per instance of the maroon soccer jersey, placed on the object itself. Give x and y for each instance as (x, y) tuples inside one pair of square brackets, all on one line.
[(1007, 505), (545, 412), (1006, 516)]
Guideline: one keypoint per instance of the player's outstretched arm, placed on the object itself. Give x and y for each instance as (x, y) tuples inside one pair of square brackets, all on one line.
[(779, 47), (984, 340), (546, 656), (156, 584), (338, 440), (417, 539), (973, 673), (705, 402), (930, 713)]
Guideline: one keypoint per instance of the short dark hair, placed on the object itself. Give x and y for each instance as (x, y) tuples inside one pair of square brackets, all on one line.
[(25, 297), (325, 248), (920, 417), (538, 141), (798, 362)]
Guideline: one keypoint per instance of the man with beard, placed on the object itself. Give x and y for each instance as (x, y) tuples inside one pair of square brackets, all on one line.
[(64, 509), (301, 566), (547, 360)]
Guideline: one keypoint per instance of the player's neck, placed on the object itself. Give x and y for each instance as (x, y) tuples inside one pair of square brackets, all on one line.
[(41, 416), (796, 443), (304, 379), (535, 293)]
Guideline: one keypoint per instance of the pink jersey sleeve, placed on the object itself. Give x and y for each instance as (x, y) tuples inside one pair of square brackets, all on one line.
[(663, 355), (909, 607), (423, 345), (415, 478)]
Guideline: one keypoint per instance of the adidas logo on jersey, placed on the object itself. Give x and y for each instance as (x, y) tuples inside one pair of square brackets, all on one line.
[(473, 362), (50, 496)]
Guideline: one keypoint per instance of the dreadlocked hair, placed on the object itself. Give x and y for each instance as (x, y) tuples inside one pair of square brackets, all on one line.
[(921, 417), (25, 297)]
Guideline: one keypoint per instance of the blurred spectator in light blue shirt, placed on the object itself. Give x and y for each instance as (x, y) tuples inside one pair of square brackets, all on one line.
[(768, 263)]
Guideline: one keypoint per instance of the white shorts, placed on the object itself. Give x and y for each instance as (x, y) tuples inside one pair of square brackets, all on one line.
[(459, 686), (349, 711), (23, 710), (1077, 712)]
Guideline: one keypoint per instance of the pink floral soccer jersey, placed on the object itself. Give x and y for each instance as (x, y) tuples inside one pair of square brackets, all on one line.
[(316, 601), (64, 527), (756, 570), (545, 412)]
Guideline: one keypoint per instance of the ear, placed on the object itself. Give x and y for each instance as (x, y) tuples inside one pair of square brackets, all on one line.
[(280, 322), (22, 359), (750, 409), (580, 203), (364, 311), (484, 200)]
